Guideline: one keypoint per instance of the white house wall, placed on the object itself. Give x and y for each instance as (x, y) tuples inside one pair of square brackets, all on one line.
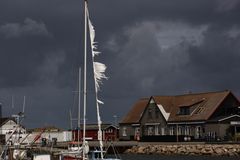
[(63, 136), (9, 126)]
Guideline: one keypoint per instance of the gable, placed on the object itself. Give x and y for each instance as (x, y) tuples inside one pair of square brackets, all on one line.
[(226, 119), (230, 118), (154, 113), (7, 121), (229, 106), (161, 109)]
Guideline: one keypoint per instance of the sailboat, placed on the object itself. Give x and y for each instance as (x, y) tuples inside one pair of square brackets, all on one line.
[(98, 75), (74, 151)]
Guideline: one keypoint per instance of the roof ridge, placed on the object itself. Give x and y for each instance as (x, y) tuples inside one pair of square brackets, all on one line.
[(209, 92), (187, 94)]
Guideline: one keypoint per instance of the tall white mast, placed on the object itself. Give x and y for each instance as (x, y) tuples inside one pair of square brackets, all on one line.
[(85, 78), (79, 104)]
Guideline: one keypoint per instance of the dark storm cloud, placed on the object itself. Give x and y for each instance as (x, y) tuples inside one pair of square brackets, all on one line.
[(150, 48), (216, 61)]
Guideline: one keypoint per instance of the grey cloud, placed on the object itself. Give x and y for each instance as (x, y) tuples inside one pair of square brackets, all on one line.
[(49, 69), (145, 55), (29, 27), (224, 6)]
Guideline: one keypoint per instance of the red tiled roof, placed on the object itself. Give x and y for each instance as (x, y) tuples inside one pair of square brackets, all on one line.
[(209, 101), (136, 112)]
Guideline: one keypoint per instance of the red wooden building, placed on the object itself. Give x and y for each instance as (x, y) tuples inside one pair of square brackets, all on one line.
[(109, 132)]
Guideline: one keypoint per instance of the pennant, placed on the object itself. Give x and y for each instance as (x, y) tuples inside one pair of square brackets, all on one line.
[(98, 68)]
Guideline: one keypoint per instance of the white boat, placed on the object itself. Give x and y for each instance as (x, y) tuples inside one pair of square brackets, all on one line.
[(41, 157), (96, 155)]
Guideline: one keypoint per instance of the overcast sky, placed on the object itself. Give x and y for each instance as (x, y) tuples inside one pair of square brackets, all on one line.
[(151, 47)]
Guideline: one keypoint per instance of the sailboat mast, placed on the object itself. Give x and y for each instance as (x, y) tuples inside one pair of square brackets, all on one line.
[(79, 104), (85, 77), (70, 115)]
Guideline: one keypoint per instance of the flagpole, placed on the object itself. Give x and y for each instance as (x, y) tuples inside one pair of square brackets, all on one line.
[(85, 79)]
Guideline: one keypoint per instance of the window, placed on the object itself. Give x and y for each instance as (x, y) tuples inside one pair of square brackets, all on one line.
[(171, 131), (109, 131), (150, 131), (184, 111), (124, 131), (180, 130), (187, 130), (199, 110), (198, 132), (163, 131)]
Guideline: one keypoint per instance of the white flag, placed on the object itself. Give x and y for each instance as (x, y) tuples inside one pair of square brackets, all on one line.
[(98, 68)]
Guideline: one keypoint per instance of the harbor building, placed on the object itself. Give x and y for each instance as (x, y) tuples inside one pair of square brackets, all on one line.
[(109, 132), (211, 116)]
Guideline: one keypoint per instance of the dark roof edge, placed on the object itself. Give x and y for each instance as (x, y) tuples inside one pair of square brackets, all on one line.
[(186, 94)]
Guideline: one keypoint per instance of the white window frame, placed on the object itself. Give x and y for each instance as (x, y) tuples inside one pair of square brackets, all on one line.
[(163, 131), (150, 130), (124, 131), (187, 130), (171, 131), (198, 132), (179, 130)]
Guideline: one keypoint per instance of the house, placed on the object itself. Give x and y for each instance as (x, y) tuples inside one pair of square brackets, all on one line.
[(46, 136), (49, 134), (8, 126), (109, 132), (198, 117)]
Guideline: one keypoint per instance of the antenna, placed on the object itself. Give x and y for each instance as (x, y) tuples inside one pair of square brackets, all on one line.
[(70, 115), (24, 104), (12, 102)]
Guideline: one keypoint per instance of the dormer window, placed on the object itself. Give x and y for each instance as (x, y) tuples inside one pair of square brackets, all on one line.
[(192, 107), (199, 110), (184, 111)]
